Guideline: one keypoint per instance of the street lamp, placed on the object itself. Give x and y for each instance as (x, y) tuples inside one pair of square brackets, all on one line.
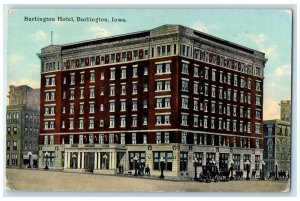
[(263, 170), (248, 169), (162, 167), (231, 169), (195, 161), (46, 154), (135, 164), (276, 170), (105, 158), (29, 155)]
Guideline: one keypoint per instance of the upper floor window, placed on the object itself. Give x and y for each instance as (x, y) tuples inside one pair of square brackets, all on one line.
[(163, 68), (135, 72), (185, 85), (92, 77), (185, 68), (112, 74)]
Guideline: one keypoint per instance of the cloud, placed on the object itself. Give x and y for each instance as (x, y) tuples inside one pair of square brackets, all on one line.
[(256, 38), (100, 31), (204, 28), (39, 35), (284, 70), (270, 51)]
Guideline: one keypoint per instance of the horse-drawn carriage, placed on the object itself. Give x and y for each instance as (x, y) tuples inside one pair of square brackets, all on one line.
[(209, 173)]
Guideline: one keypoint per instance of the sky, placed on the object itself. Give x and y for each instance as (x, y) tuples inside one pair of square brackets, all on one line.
[(266, 30)]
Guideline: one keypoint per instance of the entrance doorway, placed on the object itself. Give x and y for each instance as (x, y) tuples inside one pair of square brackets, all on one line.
[(120, 162), (89, 161)]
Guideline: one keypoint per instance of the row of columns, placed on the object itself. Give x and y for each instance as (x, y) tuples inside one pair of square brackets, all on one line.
[(111, 160)]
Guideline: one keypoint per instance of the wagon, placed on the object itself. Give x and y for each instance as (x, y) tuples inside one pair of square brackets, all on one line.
[(209, 173)]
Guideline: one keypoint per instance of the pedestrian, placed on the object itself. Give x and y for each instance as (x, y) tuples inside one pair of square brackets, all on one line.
[(142, 170), (147, 170)]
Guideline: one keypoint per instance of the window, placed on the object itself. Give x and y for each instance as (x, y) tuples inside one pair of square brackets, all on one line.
[(206, 73), (45, 139), (163, 68), (81, 123), (134, 88), (213, 107), (185, 85), (213, 91), (199, 157), (196, 121), (257, 128), (210, 157), (72, 94), (80, 139), (167, 137), (213, 75), (123, 89), (71, 124), (196, 88), (92, 77), (257, 114), (111, 122), (247, 157), (145, 104), (122, 138), (141, 159), (235, 80), (257, 86), (92, 93), (15, 130), (112, 90), (51, 139), (112, 74), (158, 138), (101, 122), (168, 156), (111, 139), (135, 73), (212, 122), (185, 103), (183, 161), (123, 105), (196, 71), (236, 161), (91, 125), (71, 109), (134, 121), (184, 118), (81, 108), (111, 106), (145, 121), (196, 103), (205, 122), (72, 81), (257, 100), (185, 68), (223, 161), (81, 93), (145, 70), (134, 105)]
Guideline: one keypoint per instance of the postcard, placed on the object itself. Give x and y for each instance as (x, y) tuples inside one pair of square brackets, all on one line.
[(149, 100)]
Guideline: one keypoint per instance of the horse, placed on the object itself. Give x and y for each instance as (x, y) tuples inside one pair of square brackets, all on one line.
[(239, 174)]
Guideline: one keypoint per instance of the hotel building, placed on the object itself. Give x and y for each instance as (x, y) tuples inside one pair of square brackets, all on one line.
[(170, 92)]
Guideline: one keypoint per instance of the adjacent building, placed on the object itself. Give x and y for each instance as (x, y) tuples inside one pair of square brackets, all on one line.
[(277, 140), (22, 122), (170, 92)]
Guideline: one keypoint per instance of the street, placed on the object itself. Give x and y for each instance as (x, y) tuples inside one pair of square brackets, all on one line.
[(41, 180)]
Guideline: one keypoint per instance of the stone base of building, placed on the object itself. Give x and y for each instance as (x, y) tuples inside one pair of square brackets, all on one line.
[(123, 159)]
